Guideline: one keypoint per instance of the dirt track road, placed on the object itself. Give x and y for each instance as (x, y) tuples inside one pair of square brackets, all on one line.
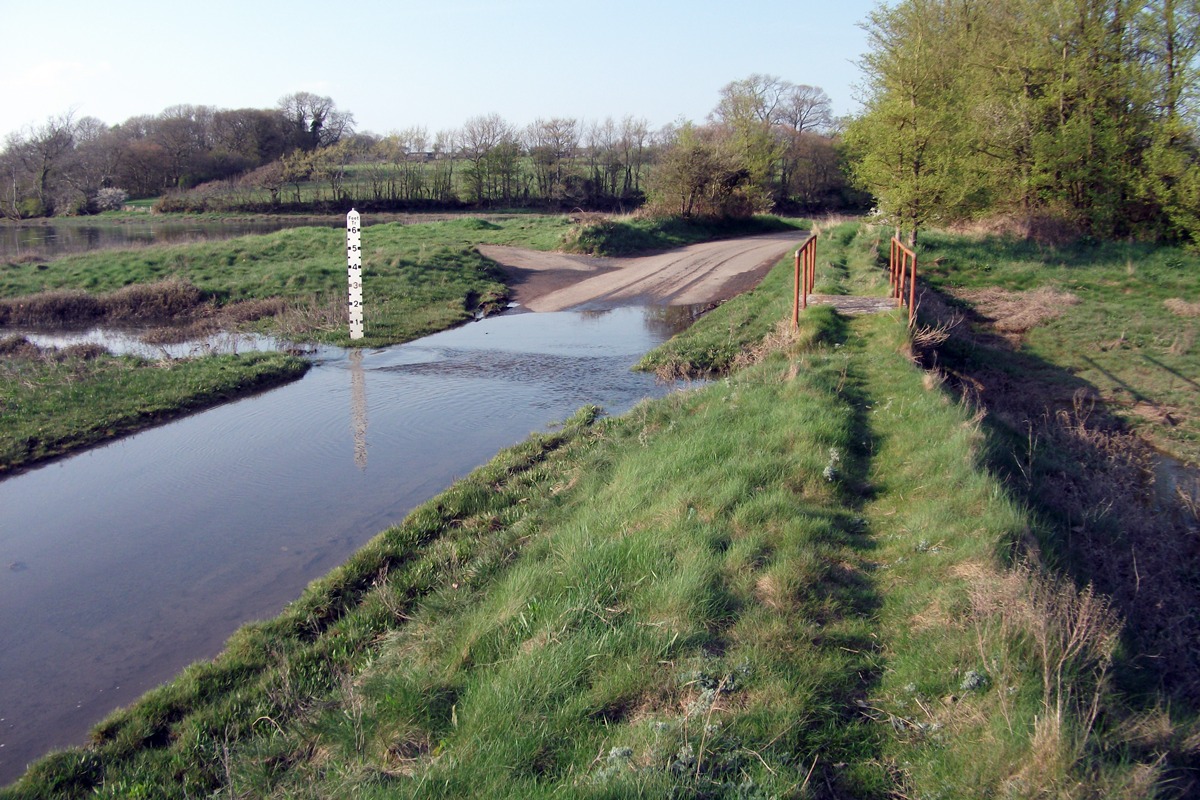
[(694, 275)]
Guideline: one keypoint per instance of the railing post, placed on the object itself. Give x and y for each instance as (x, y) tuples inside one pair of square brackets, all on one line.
[(902, 266), (812, 264), (912, 290), (892, 267), (796, 294), (805, 277)]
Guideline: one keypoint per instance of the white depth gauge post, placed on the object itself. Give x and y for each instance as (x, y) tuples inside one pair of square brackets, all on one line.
[(354, 264)]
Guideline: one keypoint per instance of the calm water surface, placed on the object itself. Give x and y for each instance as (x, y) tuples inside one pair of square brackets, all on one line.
[(51, 241), (123, 564)]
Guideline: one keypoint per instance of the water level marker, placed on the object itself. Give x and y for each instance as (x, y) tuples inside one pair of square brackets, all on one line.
[(354, 270)]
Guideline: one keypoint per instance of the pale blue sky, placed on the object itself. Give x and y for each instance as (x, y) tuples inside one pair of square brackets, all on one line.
[(435, 63)]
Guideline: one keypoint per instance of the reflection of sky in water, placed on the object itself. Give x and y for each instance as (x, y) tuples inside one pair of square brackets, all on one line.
[(129, 342), (50, 241), (143, 555)]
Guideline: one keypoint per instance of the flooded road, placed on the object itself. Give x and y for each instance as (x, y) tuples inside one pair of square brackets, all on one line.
[(123, 564)]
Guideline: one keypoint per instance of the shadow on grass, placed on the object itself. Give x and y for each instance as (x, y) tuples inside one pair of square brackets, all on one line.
[(1089, 482)]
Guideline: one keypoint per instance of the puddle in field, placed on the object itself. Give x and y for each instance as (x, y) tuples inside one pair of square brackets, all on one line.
[(121, 565)]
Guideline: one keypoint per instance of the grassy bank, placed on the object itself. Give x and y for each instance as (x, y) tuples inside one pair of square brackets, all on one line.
[(1081, 357), (798, 581), (417, 278), (55, 401), (1121, 317)]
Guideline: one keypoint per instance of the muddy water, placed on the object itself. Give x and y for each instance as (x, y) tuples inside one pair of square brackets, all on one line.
[(123, 564)]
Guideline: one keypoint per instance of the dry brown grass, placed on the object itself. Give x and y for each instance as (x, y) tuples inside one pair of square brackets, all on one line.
[(59, 307), (1181, 307), (782, 337), (1018, 312), (165, 300), (1044, 228), (169, 299), (327, 313), (18, 348), (1070, 635), (927, 336)]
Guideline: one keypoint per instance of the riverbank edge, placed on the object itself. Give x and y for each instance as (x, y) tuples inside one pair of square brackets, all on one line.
[(250, 378)]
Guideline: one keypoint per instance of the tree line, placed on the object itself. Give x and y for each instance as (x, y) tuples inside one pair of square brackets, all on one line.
[(1079, 113), (768, 144), (64, 165), (1083, 112)]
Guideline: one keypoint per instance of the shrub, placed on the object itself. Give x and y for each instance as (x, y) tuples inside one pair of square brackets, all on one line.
[(111, 199)]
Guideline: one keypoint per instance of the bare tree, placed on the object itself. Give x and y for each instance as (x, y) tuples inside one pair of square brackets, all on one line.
[(806, 108), (40, 155), (635, 140), (753, 99), (315, 120), (492, 149), (552, 144)]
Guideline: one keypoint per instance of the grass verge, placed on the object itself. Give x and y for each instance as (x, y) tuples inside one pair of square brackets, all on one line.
[(55, 401), (800, 580), (733, 332)]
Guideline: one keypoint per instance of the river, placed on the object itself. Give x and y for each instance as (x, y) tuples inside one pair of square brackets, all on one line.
[(121, 565)]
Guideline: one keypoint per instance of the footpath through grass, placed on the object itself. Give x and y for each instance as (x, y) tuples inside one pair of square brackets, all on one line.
[(792, 582), (56, 401)]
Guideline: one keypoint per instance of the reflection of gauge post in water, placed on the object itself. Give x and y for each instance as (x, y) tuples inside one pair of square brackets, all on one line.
[(354, 270)]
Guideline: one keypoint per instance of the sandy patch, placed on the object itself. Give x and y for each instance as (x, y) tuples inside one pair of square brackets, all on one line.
[(694, 275)]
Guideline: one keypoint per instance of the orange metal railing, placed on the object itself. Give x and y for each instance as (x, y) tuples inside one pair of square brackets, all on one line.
[(806, 277), (902, 264)]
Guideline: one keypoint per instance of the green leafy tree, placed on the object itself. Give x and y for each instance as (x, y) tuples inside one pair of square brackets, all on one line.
[(908, 148), (1070, 108), (750, 109), (698, 175)]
